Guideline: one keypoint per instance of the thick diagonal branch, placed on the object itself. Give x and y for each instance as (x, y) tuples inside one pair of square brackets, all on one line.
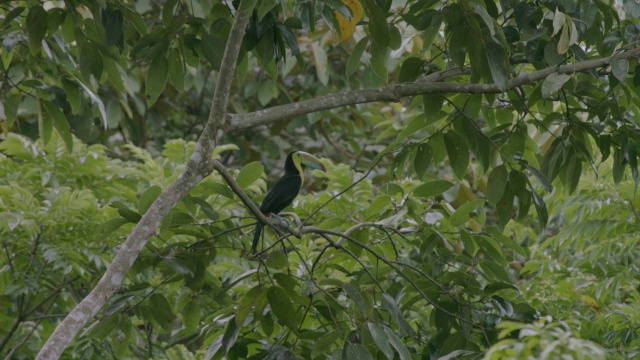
[(197, 168)]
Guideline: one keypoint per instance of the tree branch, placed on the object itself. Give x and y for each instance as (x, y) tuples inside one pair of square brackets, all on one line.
[(396, 92), (197, 168)]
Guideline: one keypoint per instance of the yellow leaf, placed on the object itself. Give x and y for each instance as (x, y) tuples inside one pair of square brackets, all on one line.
[(348, 27), (593, 304)]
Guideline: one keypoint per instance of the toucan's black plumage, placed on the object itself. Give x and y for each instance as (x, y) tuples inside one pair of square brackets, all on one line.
[(286, 189)]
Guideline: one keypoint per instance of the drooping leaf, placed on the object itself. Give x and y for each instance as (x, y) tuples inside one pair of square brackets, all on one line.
[(458, 153), (432, 188), (497, 183)]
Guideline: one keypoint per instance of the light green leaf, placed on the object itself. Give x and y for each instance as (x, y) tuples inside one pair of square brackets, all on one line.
[(191, 315), (354, 59), (59, 121), (147, 198), (463, 213), (249, 173), (357, 352), (553, 83), (277, 260), (620, 69), (432, 188)]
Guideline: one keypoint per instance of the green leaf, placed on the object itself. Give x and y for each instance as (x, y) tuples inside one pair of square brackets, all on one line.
[(496, 57), (378, 27), (496, 183), (246, 304), (380, 338), (541, 208), (357, 352), (458, 152), (129, 215), (411, 69), (191, 315), (484, 15), (282, 308), (277, 260), (553, 83), (354, 294), (104, 327), (573, 173), (432, 188), (264, 8), (147, 198), (176, 69), (432, 104), (422, 160), (540, 176), (36, 28), (416, 123), (249, 173), (354, 58), (379, 60), (390, 305), (397, 344), (161, 310), (212, 48), (60, 123), (463, 213), (112, 225), (377, 206), (497, 286), (156, 78), (620, 69), (504, 207)]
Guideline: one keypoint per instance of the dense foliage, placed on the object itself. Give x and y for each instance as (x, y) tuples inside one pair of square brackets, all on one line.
[(452, 224)]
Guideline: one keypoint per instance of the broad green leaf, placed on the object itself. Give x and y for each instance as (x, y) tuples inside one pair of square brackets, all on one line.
[(541, 208), (458, 153), (432, 188), (497, 183), (504, 207), (354, 58), (544, 181), (463, 213), (397, 344), (321, 63), (377, 206), (378, 28), (486, 18), (147, 198), (277, 260), (176, 69), (36, 28), (60, 123), (156, 78), (553, 83), (620, 69), (497, 286), (411, 69), (249, 173), (357, 352), (104, 327), (379, 60), (246, 304), (354, 294), (266, 6), (573, 173), (381, 339), (129, 215), (191, 315), (415, 124), (432, 105), (161, 310), (393, 309), (325, 342), (282, 308), (422, 160), (496, 56), (112, 225)]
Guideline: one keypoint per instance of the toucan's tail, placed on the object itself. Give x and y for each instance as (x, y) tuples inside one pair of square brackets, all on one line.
[(256, 237)]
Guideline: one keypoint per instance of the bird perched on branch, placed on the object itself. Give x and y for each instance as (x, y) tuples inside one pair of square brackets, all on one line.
[(287, 188)]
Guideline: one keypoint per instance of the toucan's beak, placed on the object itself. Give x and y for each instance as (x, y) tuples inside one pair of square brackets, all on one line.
[(311, 161)]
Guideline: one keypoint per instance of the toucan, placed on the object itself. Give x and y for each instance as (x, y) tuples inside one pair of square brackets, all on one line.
[(287, 188)]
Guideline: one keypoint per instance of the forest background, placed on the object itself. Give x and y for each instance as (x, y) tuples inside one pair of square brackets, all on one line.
[(480, 199)]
